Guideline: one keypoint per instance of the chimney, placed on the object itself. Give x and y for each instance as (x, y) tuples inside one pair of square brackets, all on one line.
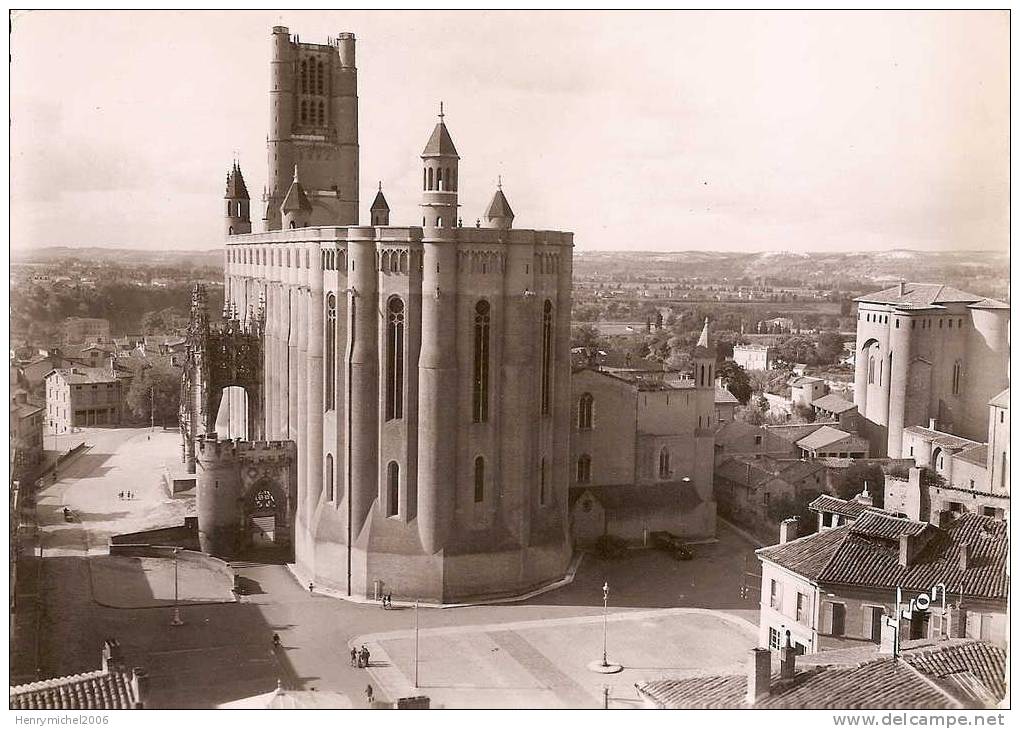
[(759, 675), (933, 424), (890, 642), (907, 550), (140, 687), (903, 288), (112, 657), (787, 659), (964, 556), (864, 497), (957, 621), (788, 529)]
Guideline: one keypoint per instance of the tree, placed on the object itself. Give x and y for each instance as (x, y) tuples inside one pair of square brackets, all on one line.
[(829, 348), (164, 383), (735, 378), (784, 507), (851, 482)]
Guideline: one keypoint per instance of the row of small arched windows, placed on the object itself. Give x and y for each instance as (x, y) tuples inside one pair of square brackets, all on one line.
[(313, 76), (313, 112), (397, 261), (481, 261), (272, 257), (334, 260), (547, 262), (439, 178), (927, 323)]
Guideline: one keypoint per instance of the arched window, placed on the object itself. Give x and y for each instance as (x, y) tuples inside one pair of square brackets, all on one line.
[(430, 178), (424, 180), (447, 177), (322, 113), (664, 462), (439, 179), (541, 486), (479, 480), (439, 222), (329, 477), (293, 224), (957, 376), (230, 230), (871, 370), (453, 179), (392, 489), (320, 82), (304, 112), (584, 469), (330, 352), (584, 411), (480, 395), (304, 77), (395, 359), (547, 344)]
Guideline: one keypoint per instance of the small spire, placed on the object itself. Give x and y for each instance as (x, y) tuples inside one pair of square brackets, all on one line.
[(499, 182), (703, 341), (380, 185), (295, 173), (441, 114)]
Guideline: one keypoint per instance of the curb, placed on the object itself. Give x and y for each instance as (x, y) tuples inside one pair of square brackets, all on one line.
[(568, 578)]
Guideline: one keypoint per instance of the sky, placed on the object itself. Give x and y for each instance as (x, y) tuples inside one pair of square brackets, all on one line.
[(723, 131)]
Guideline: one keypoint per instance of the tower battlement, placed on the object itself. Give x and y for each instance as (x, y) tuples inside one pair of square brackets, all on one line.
[(210, 448)]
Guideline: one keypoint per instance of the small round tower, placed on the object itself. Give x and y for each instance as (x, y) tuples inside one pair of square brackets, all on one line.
[(218, 492), (237, 218), (439, 181), (296, 210), (499, 214)]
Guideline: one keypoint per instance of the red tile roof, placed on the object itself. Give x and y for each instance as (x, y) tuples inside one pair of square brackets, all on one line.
[(94, 690), (921, 294)]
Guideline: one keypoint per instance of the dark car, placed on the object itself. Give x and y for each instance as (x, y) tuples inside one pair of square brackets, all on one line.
[(672, 545)]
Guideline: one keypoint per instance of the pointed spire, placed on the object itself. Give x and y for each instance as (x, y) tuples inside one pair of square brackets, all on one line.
[(296, 173), (440, 144), (441, 114), (236, 189), (296, 198), (380, 201), (703, 341)]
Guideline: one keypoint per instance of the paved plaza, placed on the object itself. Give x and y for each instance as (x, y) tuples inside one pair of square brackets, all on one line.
[(543, 663), (666, 617)]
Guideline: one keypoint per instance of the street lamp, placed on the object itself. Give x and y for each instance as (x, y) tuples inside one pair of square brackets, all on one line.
[(604, 666), (176, 620)]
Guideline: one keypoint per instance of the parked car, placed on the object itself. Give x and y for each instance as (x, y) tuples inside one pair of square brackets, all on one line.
[(672, 545)]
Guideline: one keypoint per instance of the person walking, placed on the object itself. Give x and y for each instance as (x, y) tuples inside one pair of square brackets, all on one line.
[(354, 657), (311, 587), (369, 693)]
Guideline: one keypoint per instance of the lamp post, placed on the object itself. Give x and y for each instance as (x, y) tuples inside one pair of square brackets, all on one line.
[(176, 620), (416, 644), (604, 666)]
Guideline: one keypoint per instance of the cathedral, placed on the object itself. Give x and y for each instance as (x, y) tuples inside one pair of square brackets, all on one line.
[(414, 379)]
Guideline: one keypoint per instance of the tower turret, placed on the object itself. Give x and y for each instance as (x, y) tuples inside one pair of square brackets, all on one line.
[(237, 219), (439, 181), (704, 360), (380, 211), (499, 215), (296, 208)]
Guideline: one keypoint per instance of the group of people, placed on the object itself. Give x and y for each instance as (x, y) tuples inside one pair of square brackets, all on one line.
[(125, 495), (387, 601), (359, 658)]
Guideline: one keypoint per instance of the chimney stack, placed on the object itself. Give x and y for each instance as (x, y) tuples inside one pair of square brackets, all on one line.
[(890, 641), (759, 675), (906, 550), (933, 424), (140, 687), (957, 621), (788, 529), (903, 288), (787, 659), (112, 657)]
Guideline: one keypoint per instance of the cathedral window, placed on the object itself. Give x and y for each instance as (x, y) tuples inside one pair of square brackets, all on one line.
[(480, 399), (424, 180), (584, 411), (392, 488), (304, 112), (584, 469), (957, 376), (439, 179), (871, 370), (395, 359), (320, 81), (664, 462), (304, 77), (322, 113), (479, 480), (330, 352), (547, 345), (452, 175), (329, 477), (430, 178)]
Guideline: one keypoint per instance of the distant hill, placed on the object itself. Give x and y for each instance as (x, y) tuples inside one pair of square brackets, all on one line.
[(981, 272), (118, 255)]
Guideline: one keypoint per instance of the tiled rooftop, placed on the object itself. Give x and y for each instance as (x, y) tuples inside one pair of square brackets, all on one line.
[(833, 404), (866, 554), (920, 294), (824, 436), (946, 440), (93, 690), (1001, 400), (833, 505)]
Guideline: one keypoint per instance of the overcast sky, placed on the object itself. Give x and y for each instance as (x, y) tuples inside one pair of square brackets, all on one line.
[(643, 131)]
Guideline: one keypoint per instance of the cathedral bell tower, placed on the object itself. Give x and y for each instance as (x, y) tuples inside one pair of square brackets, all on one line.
[(237, 219), (439, 181)]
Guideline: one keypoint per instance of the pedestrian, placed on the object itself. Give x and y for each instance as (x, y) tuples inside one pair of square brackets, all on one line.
[(367, 657), (311, 587), (354, 657), (121, 496), (276, 640), (368, 693), (389, 600)]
